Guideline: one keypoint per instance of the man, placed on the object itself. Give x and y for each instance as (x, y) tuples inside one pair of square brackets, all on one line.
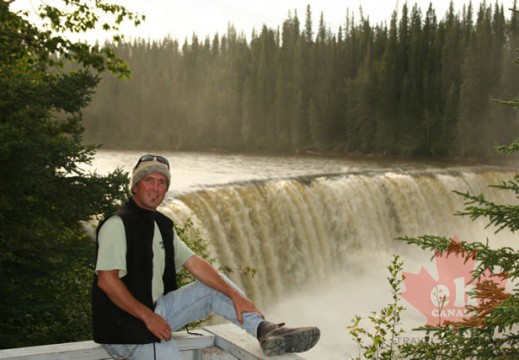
[(135, 301)]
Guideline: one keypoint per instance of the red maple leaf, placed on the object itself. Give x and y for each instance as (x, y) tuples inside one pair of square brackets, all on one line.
[(446, 298)]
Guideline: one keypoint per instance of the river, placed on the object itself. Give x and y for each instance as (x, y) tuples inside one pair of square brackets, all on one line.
[(319, 230)]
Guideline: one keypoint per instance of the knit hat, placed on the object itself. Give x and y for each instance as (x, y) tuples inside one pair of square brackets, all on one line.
[(145, 168)]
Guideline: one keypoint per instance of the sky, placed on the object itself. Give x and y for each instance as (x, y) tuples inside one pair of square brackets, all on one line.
[(181, 18)]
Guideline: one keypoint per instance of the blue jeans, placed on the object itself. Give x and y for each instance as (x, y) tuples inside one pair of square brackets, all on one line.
[(190, 303)]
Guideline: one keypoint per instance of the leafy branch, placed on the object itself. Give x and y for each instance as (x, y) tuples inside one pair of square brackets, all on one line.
[(386, 322)]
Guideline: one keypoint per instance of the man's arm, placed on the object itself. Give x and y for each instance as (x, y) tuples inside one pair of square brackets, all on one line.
[(114, 288), (204, 272)]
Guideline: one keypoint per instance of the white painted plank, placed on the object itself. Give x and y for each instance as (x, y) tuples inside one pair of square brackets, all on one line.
[(78, 350), (187, 341), (89, 350), (214, 353), (240, 344)]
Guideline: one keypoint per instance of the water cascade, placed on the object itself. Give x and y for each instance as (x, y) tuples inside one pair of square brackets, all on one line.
[(296, 231)]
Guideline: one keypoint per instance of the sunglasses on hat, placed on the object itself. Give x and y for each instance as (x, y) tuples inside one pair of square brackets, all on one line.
[(149, 157)]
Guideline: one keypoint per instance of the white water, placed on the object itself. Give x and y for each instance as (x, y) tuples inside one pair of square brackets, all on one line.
[(321, 243)]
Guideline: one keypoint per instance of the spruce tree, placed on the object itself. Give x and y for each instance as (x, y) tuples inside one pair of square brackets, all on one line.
[(492, 332)]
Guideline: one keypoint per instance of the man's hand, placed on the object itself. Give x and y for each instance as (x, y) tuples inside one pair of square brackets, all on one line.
[(158, 326), (110, 283), (242, 304)]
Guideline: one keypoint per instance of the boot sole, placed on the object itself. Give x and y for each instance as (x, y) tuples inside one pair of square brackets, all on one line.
[(297, 341)]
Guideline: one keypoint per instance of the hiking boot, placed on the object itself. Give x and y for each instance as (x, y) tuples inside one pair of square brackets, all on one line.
[(277, 339)]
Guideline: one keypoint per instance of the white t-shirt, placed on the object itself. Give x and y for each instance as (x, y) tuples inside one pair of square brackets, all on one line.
[(112, 252)]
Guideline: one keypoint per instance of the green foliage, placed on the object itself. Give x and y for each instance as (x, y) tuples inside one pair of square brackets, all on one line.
[(386, 323), (45, 256), (513, 148), (464, 343), (500, 215), (193, 238), (24, 42), (418, 85), (497, 336)]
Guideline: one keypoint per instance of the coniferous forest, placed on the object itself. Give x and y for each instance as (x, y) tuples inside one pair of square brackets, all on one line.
[(420, 84)]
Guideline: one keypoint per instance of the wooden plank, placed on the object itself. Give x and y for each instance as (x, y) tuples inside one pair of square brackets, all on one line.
[(187, 341), (89, 350), (78, 350), (214, 353), (240, 344)]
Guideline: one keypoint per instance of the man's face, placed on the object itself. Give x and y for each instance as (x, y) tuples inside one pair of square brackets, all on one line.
[(150, 190)]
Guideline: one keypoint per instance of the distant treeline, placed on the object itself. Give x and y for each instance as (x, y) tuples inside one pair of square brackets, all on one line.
[(415, 86)]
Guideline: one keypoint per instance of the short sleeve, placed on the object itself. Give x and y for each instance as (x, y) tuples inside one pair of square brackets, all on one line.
[(182, 251), (112, 247)]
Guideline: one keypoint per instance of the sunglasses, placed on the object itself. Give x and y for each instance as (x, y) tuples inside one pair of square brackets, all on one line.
[(149, 157)]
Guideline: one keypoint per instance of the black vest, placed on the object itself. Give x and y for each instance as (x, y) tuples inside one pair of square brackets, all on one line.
[(112, 325)]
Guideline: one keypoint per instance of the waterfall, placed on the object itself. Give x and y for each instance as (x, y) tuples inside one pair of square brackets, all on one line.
[(299, 230)]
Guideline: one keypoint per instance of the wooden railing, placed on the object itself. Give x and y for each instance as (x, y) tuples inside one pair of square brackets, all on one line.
[(218, 342)]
